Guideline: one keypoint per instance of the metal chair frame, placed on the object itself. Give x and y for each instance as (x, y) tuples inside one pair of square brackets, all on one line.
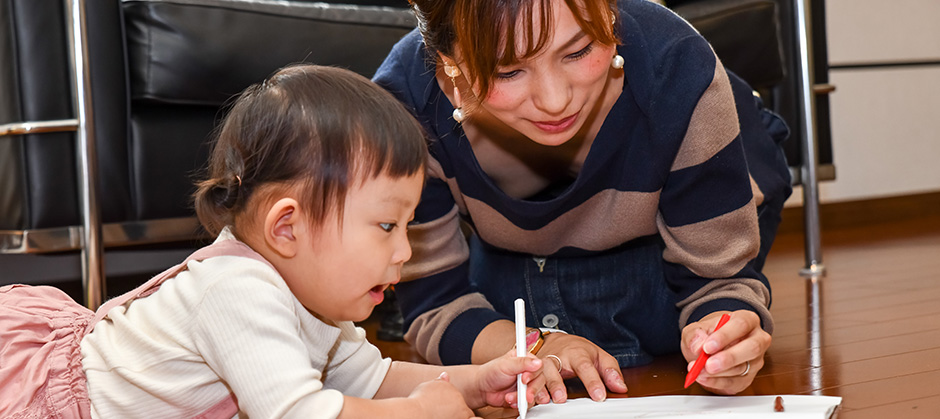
[(91, 237), (809, 179)]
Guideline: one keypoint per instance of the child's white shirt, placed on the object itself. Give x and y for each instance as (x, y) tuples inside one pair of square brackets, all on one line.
[(232, 317)]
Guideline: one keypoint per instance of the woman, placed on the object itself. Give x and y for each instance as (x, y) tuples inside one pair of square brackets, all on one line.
[(610, 172)]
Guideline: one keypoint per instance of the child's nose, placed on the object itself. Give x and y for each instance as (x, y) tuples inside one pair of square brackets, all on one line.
[(403, 250)]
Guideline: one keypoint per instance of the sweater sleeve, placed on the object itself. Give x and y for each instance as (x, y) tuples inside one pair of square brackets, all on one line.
[(707, 215)]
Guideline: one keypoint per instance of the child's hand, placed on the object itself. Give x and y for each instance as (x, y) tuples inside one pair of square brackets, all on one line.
[(439, 398), (497, 380)]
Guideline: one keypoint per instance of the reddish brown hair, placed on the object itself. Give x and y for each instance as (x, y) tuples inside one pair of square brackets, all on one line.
[(485, 30)]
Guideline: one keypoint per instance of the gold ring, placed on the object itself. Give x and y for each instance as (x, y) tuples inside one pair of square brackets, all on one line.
[(556, 360)]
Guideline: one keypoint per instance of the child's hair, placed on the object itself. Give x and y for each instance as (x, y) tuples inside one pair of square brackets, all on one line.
[(314, 129)]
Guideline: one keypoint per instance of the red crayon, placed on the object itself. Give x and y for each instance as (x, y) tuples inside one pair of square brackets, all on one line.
[(702, 357)]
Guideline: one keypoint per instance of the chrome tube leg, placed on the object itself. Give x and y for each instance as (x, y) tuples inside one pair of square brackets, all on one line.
[(810, 182), (92, 248)]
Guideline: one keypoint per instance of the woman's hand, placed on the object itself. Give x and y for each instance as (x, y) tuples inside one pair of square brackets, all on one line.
[(736, 351), (575, 356)]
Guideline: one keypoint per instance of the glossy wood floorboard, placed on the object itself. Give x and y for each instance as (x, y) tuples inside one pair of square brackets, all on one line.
[(869, 331)]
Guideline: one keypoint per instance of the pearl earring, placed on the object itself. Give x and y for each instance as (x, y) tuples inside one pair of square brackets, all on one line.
[(458, 115), (617, 62), (453, 71)]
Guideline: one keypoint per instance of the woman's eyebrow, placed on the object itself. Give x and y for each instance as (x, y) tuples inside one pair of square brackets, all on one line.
[(574, 39)]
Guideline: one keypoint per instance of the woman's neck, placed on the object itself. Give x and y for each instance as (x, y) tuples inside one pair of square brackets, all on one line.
[(520, 166)]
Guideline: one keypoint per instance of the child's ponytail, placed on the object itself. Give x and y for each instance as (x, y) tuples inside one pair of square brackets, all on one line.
[(215, 201)]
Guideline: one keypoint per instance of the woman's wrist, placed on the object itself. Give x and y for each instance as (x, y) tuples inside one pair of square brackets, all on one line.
[(533, 340), (494, 341)]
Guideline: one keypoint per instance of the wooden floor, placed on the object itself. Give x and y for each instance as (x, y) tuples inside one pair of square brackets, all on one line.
[(869, 331)]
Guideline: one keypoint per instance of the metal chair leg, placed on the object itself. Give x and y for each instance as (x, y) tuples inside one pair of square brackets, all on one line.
[(93, 280), (814, 267)]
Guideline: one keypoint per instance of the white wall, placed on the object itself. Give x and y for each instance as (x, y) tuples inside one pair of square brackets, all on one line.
[(885, 120)]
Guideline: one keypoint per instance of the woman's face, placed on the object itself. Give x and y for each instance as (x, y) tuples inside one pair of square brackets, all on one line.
[(549, 97)]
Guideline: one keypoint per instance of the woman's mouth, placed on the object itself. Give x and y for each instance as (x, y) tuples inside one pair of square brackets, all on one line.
[(554, 127)]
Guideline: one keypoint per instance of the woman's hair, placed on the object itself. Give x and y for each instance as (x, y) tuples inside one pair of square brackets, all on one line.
[(485, 30), (313, 129)]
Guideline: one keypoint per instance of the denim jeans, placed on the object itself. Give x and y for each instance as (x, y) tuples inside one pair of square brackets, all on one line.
[(617, 299)]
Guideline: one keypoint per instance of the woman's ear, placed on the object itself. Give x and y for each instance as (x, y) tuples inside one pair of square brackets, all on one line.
[(283, 224), (446, 60)]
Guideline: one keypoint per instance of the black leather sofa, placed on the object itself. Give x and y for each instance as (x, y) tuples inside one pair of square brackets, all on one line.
[(154, 82), (158, 74)]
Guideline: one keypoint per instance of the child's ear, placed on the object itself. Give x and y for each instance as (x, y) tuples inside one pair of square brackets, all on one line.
[(283, 223)]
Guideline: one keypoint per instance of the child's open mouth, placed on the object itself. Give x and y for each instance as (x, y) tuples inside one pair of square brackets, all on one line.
[(377, 293)]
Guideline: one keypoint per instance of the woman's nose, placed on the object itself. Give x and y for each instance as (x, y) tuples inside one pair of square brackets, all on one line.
[(551, 93)]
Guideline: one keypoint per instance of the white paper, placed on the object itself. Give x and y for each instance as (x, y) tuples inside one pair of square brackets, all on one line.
[(690, 407)]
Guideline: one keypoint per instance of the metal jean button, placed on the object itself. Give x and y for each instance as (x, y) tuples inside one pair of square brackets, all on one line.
[(550, 320)]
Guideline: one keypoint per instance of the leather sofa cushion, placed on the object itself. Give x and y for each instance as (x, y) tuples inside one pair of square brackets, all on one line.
[(744, 34), (201, 52)]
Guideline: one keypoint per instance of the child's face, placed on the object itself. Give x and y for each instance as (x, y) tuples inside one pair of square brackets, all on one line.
[(346, 271)]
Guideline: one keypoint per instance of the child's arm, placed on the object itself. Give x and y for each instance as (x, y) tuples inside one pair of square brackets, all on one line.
[(431, 399), (480, 385)]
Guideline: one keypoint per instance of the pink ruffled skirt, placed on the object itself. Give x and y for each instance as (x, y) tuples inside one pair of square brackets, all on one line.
[(41, 373)]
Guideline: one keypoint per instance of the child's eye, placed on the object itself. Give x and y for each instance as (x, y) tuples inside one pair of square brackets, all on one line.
[(388, 227), (582, 52)]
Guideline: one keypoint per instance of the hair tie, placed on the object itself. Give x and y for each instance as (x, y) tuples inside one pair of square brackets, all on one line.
[(239, 179)]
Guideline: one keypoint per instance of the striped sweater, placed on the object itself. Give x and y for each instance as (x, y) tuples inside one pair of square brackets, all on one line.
[(672, 158)]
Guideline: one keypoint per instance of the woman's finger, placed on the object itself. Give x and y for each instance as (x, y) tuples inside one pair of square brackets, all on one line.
[(552, 367), (609, 369), (734, 383), (583, 366), (732, 360)]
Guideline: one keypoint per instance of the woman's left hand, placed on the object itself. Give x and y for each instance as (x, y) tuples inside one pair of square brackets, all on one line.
[(736, 351)]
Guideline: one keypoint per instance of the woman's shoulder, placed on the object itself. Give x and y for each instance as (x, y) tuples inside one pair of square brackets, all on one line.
[(662, 51), (651, 17), (654, 30), (407, 71)]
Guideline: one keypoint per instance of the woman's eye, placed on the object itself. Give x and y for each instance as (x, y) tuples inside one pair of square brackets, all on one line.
[(506, 75), (388, 227), (582, 52)]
